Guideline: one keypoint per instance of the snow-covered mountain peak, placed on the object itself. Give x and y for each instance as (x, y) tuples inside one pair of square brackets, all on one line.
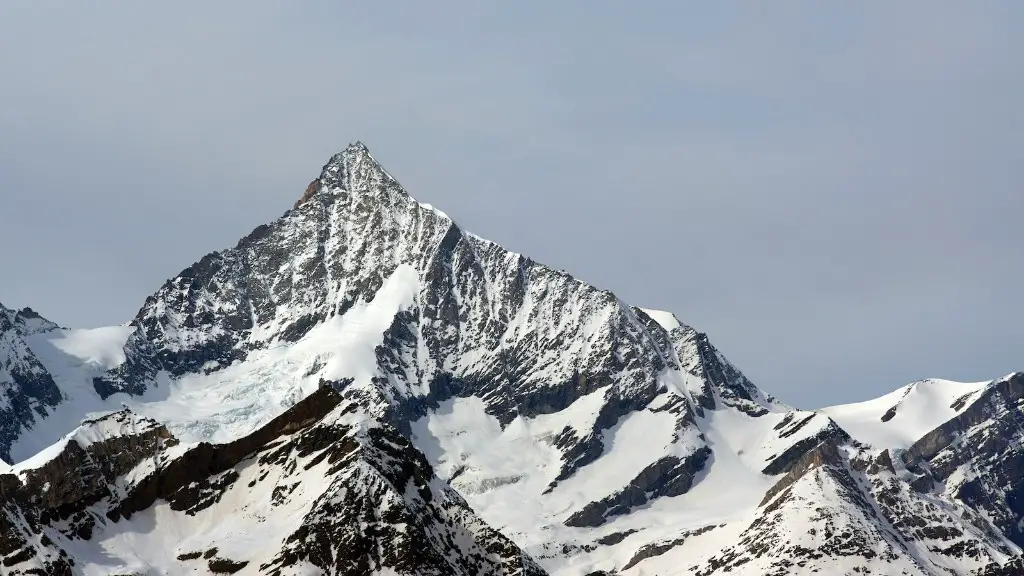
[(354, 170), (27, 320), (32, 322), (899, 419), (361, 387)]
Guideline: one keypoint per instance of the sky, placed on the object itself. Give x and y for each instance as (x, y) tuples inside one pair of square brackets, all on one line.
[(832, 191)]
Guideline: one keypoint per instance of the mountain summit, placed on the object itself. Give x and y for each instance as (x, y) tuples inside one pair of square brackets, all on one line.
[(361, 387)]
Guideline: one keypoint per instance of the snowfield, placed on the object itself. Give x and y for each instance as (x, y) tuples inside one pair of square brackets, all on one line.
[(902, 417)]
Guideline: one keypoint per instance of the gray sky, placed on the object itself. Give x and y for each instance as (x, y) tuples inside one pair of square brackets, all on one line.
[(833, 192)]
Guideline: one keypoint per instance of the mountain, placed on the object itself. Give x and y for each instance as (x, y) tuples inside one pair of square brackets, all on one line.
[(362, 387), (27, 391), (336, 491)]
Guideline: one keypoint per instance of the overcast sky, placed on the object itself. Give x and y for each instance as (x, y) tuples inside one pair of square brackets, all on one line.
[(833, 193)]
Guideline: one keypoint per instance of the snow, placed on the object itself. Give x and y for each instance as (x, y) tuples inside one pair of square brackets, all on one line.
[(725, 495), (231, 402), (88, 433), (433, 209), (462, 441), (356, 335), (635, 442), (227, 403), (101, 347), (815, 497), (243, 524), (73, 358), (694, 550), (666, 320), (32, 325), (920, 408), (43, 456), (504, 475), (732, 484)]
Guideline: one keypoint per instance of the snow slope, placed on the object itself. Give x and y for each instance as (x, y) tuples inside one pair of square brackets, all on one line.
[(73, 357), (902, 417), (142, 503)]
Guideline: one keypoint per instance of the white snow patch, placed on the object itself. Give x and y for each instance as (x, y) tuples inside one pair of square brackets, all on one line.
[(636, 441), (73, 358), (666, 320), (229, 403), (920, 408), (101, 347), (504, 475), (226, 403)]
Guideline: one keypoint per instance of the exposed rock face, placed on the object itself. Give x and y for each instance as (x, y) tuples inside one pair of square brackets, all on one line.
[(387, 510), (699, 357), (825, 453), (669, 476), (978, 458), (789, 458)]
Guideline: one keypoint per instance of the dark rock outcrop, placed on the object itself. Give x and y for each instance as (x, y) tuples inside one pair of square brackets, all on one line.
[(659, 548), (793, 454), (669, 476)]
